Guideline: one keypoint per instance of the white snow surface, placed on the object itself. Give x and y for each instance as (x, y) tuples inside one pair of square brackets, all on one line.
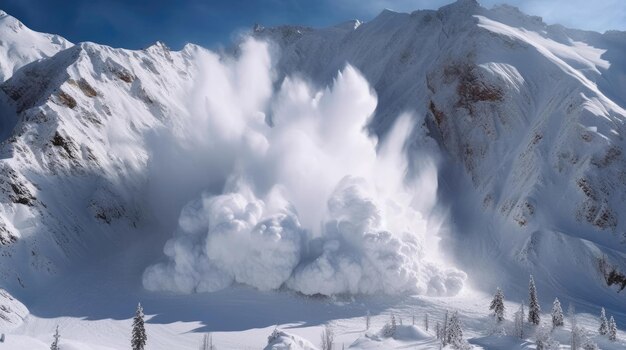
[(351, 161), (19, 45)]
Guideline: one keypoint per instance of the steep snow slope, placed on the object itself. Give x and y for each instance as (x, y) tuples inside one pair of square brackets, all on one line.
[(531, 117), (20, 45), (74, 168)]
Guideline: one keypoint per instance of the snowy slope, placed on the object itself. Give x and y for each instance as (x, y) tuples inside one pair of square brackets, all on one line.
[(20, 45), (74, 164), (531, 117), (102, 150)]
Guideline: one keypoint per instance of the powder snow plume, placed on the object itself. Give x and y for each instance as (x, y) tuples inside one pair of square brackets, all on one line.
[(297, 194)]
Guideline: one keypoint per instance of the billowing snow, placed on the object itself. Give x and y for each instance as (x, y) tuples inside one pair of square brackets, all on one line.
[(310, 203)]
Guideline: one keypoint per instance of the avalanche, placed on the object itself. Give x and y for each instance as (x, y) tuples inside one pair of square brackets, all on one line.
[(310, 177), (310, 204)]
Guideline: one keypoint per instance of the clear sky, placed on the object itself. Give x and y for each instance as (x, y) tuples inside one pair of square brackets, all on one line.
[(138, 23)]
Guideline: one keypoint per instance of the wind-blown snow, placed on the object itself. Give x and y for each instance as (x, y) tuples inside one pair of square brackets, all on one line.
[(309, 203)]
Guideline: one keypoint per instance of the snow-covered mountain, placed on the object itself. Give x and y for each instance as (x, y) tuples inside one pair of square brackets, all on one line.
[(20, 45), (526, 122), (533, 114)]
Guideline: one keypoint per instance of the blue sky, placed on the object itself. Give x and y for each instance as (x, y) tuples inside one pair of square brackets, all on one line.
[(138, 23)]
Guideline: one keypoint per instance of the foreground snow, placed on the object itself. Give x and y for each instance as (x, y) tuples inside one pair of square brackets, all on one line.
[(98, 303), (231, 332)]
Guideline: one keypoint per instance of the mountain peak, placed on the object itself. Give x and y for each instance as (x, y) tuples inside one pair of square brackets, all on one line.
[(463, 6), (21, 45)]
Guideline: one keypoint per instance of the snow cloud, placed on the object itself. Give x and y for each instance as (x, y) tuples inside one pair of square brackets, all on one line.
[(296, 193)]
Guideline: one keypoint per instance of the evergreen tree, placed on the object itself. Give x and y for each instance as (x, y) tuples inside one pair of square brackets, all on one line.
[(389, 329), (519, 322), (367, 320), (438, 330), (328, 338), (575, 339), (455, 333), (55, 342), (533, 304), (444, 330), (139, 337), (207, 342), (604, 326), (544, 341), (557, 314), (426, 321), (612, 329), (497, 305), (274, 335)]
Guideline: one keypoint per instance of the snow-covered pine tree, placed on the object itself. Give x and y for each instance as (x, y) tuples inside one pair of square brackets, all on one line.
[(612, 329), (55, 342), (437, 330), (444, 330), (389, 329), (455, 332), (534, 309), (367, 320), (518, 323), (328, 338), (139, 337), (274, 335), (575, 335), (426, 321), (497, 305), (604, 326), (543, 339), (557, 314), (207, 342)]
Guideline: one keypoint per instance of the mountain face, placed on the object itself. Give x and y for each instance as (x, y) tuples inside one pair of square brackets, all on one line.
[(532, 115), (528, 119)]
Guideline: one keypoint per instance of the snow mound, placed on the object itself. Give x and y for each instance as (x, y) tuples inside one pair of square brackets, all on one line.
[(280, 340), (404, 335), (411, 333)]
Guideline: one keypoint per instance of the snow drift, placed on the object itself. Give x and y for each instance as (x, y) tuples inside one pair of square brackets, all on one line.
[(310, 200)]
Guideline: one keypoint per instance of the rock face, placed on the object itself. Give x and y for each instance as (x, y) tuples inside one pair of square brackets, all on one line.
[(529, 118)]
